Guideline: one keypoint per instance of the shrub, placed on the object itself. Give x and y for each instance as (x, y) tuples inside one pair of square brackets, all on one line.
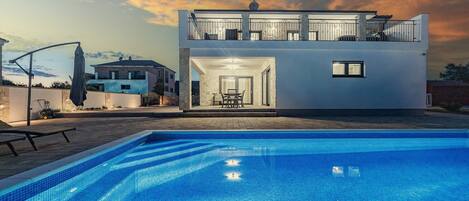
[(453, 106)]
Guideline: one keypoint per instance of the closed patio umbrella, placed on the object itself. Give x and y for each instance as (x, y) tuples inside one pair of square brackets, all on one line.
[(78, 91)]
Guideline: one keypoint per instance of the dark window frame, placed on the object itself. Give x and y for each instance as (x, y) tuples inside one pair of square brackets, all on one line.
[(347, 75), (125, 87)]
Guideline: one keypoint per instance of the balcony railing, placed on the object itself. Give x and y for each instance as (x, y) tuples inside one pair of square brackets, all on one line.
[(215, 29), (392, 30), (274, 29), (103, 77), (333, 30), (290, 29)]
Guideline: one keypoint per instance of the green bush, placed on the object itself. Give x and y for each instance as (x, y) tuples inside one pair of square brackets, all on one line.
[(454, 106)]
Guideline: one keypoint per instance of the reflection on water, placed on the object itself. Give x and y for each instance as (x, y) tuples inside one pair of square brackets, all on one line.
[(337, 171), (352, 171), (233, 176), (232, 163)]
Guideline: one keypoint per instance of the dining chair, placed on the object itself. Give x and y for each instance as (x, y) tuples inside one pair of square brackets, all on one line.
[(224, 100), (241, 98)]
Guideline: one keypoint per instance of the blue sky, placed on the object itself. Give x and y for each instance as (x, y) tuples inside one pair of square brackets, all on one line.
[(106, 28), (147, 29)]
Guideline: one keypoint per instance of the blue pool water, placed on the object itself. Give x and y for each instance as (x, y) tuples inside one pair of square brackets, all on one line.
[(248, 166)]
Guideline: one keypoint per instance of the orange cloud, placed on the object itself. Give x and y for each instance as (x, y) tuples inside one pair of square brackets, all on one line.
[(448, 19), (165, 11)]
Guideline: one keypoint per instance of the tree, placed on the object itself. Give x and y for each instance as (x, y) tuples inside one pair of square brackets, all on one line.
[(8, 83), (456, 72), (159, 88), (60, 85), (38, 85)]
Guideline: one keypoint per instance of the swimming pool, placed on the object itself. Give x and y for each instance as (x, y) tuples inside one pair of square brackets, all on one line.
[(259, 165)]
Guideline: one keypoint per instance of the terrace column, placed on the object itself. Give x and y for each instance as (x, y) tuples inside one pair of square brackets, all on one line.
[(304, 27), (185, 99), (245, 26), (361, 27)]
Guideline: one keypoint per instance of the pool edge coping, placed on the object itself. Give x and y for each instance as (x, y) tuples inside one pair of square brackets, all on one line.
[(10, 183)]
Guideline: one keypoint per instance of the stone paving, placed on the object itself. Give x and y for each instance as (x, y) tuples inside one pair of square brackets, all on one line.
[(93, 132)]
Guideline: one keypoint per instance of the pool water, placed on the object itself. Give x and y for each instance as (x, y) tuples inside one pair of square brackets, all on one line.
[(277, 169)]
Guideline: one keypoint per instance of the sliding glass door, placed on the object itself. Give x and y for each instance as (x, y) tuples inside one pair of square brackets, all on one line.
[(238, 84)]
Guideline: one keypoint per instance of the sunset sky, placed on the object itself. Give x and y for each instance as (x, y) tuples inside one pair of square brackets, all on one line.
[(147, 29)]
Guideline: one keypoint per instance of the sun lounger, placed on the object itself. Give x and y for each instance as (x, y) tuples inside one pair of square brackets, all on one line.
[(32, 132), (8, 139)]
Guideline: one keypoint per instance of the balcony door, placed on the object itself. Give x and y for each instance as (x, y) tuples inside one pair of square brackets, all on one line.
[(240, 84)]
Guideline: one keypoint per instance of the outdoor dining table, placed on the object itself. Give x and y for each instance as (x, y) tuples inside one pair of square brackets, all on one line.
[(233, 99)]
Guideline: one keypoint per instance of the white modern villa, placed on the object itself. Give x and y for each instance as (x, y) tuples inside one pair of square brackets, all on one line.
[(305, 61)]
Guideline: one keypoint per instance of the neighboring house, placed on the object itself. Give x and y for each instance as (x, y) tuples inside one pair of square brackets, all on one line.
[(305, 61), (2, 42), (447, 91), (133, 76)]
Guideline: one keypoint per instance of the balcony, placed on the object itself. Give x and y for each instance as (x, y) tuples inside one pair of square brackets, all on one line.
[(109, 77), (274, 29)]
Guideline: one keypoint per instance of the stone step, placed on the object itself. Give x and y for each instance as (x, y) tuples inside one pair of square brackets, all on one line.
[(230, 114), (232, 110)]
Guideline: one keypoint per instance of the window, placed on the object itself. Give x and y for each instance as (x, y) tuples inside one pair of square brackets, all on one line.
[(171, 76), (256, 35), (115, 73), (166, 88), (166, 77), (348, 69), (293, 35), (313, 35), (136, 75), (171, 90), (125, 87)]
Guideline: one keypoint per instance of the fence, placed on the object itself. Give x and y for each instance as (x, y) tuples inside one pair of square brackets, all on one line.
[(13, 101), (215, 29), (273, 29)]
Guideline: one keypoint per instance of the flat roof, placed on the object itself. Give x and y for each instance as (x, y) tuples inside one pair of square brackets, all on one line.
[(287, 11)]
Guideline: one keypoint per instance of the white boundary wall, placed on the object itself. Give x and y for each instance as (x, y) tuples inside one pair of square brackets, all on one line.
[(14, 105)]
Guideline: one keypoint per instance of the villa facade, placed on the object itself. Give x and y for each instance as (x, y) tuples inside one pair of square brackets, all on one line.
[(134, 77), (305, 61)]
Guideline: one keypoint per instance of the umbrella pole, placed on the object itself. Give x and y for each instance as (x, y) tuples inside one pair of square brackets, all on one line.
[(30, 73), (30, 76)]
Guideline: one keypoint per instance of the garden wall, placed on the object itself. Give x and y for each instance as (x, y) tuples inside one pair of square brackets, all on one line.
[(13, 101)]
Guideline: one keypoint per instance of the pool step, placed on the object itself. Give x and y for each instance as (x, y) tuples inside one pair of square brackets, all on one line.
[(148, 178), (158, 145), (114, 179), (133, 160)]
